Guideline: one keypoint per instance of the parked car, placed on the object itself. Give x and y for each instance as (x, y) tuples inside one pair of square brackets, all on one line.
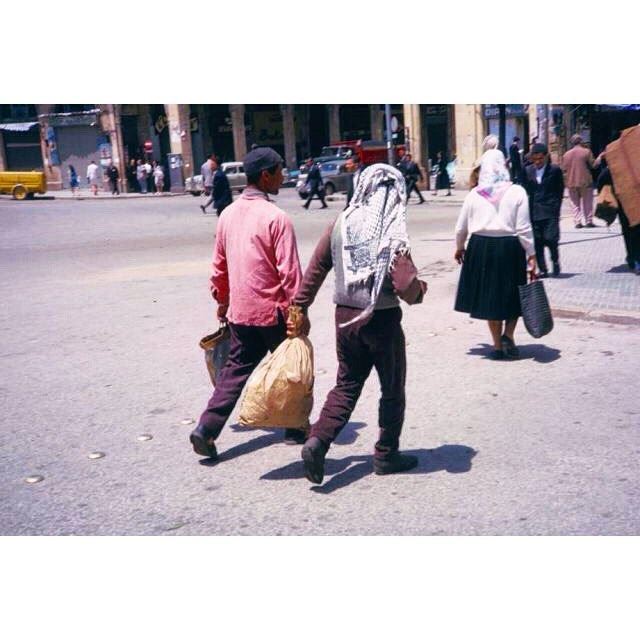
[(334, 177), (234, 172), (23, 184)]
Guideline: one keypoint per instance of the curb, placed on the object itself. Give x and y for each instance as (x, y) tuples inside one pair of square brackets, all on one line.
[(610, 317), (122, 196)]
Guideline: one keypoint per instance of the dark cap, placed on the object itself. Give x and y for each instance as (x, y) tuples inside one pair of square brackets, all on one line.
[(259, 159), (538, 147)]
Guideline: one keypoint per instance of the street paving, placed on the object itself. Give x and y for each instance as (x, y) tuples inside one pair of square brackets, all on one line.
[(104, 304)]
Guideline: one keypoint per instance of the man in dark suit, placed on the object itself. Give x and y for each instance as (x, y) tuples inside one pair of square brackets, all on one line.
[(315, 184), (221, 190), (544, 183), (412, 174), (515, 161)]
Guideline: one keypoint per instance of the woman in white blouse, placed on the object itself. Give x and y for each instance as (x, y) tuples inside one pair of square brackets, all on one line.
[(500, 250)]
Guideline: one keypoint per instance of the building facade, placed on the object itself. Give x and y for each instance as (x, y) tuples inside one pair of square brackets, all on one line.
[(52, 137)]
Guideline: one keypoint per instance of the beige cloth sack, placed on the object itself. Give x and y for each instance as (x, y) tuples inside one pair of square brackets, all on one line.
[(280, 391)]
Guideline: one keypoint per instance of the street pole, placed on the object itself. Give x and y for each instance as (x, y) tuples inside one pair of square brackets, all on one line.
[(387, 116), (502, 126)]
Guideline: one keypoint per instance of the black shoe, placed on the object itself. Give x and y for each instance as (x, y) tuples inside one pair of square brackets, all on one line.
[(324, 206), (543, 274), (497, 354), (509, 347), (556, 269), (395, 463), (295, 436), (422, 201), (313, 454), (579, 225), (590, 225), (203, 209), (203, 445)]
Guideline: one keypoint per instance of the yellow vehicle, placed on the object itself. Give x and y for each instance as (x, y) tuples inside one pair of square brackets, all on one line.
[(23, 184)]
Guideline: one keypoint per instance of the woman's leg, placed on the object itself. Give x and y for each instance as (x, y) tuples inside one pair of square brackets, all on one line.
[(510, 327), (495, 326)]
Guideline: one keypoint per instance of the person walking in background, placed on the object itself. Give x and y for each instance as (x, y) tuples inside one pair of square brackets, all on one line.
[(442, 179), (412, 174), (220, 190), (314, 184), (141, 176), (158, 177), (544, 184), (494, 262), (114, 176), (149, 175), (92, 177), (630, 234), (206, 171), (577, 164), (256, 274), (132, 182), (515, 161), (74, 183)]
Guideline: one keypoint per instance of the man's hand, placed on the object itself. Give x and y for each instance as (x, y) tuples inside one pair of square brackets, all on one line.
[(222, 312), (459, 256), (298, 324), (532, 265)]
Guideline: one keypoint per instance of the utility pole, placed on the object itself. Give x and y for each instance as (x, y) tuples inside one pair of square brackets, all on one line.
[(387, 117)]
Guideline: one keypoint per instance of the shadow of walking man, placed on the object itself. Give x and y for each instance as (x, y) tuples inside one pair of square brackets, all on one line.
[(452, 458)]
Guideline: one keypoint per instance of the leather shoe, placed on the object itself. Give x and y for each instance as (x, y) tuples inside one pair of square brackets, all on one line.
[(202, 444), (313, 454), (579, 225), (395, 463), (295, 436), (556, 269), (590, 225), (509, 347)]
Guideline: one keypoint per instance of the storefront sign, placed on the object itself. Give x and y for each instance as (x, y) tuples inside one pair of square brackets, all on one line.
[(511, 111)]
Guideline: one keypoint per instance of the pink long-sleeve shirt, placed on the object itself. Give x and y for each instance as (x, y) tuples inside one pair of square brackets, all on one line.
[(256, 268)]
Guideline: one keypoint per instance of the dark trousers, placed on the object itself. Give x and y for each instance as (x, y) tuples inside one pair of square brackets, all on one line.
[(248, 346), (360, 347), (546, 233), (631, 237), (114, 188), (413, 186), (315, 191)]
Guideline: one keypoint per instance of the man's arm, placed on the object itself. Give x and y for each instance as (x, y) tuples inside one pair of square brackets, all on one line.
[(220, 274), (286, 254), (319, 266)]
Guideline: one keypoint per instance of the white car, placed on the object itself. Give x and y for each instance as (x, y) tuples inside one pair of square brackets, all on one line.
[(235, 174)]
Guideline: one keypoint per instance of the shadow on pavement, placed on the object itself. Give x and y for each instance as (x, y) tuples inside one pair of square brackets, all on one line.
[(537, 352), (349, 434), (592, 239), (564, 276), (453, 458), (621, 268)]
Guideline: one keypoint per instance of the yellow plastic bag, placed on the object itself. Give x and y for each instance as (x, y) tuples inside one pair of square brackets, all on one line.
[(280, 391)]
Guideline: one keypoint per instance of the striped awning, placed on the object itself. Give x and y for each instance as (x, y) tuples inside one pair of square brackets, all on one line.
[(17, 126)]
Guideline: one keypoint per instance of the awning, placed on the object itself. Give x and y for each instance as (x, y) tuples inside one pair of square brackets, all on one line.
[(17, 126)]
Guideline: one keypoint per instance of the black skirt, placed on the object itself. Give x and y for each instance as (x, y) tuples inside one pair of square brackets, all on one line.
[(491, 272)]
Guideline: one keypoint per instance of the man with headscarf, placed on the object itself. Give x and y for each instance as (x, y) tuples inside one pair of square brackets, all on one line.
[(368, 248), (545, 186), (256, 273), (577, 164)]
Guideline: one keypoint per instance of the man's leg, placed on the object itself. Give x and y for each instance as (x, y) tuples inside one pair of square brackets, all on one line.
[(538, 239), (574, 198), (247, 350), (552, 238), (208, 202), (587, 204)]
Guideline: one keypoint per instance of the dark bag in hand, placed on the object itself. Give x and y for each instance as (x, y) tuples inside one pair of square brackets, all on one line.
[(536, 311), (607, 205), (216, 350)]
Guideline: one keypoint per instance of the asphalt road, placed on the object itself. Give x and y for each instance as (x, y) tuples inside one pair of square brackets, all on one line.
[(103, 306)]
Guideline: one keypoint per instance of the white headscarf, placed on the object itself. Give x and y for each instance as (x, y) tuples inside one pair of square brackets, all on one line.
[(494, 179)]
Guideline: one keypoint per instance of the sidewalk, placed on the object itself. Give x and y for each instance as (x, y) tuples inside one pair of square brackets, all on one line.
[(85, 194)]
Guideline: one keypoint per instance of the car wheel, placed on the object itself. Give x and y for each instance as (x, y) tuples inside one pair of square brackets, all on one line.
[(19, 192), (329, 189)]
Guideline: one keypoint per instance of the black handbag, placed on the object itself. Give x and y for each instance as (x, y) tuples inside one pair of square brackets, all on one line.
[(536, 311)]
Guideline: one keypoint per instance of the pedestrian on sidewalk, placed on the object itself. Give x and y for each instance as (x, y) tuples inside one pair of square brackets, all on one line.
[(368, 316), (158, 177), (442, 179), (577, 164), (148, 168), (74, 183), (92, 177), (114, 176), (494, 262), (630, 234), (132, 183), (314, 184), (220, 190), (412, 174), (515, 161), (141, 176), (256, 273), (544, 184)]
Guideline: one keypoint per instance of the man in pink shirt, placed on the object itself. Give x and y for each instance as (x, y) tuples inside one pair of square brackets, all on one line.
[(256, 273)]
